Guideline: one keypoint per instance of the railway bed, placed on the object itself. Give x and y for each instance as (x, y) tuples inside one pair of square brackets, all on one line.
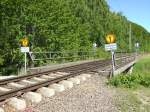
[(13, 87), (53, 76)]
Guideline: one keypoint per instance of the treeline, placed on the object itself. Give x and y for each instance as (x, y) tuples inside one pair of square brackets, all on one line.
[(61, 25)]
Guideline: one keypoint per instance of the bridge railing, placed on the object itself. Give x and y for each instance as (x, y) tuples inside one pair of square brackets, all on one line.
[(124, 58), (60, 57), (70, 55)]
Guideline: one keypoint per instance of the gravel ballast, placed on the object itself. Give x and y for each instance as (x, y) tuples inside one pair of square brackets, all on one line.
[(90, 96)]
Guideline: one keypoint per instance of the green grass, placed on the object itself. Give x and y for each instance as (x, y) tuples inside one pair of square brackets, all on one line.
[(139, 77), (133, 91), (128, 100), (143, 66)]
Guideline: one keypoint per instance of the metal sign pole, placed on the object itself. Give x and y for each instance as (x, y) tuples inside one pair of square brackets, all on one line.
[(111, 46), (113, 62), (25, 49), (25, 62)]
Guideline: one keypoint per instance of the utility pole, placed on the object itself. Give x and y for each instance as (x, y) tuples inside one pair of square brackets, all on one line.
[(130, 37)]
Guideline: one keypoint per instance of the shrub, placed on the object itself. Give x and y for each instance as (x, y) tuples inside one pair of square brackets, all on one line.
[(145, 81), (140, 76), (130, 81)]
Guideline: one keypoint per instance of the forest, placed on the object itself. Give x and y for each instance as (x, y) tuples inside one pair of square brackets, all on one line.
[(62, 25)]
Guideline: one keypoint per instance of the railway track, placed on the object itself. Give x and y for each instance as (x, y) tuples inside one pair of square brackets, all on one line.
[(20, 86), (54, 77)]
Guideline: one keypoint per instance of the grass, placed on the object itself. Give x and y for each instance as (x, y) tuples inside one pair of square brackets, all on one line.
[(143, 66), (126, 101), (133, 91), (139, 77), (129, 100)]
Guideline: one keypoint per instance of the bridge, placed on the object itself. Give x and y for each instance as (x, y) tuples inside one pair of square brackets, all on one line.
[(50, 79), (124, 62)]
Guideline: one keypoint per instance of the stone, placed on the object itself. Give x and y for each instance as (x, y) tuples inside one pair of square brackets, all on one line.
[(15, 105), (1, 109), (67, 84), (86, 75), (32, 98), (57, 87), (74, 80), (46, 92), (82, 78)]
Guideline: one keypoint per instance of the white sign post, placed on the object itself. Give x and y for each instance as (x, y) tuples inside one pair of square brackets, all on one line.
[(113, 61), (25, 50), (112, 47), (136, 49), (25, 63), (94, 49)]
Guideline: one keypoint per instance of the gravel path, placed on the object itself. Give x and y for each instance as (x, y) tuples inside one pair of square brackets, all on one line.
[(90, 96)]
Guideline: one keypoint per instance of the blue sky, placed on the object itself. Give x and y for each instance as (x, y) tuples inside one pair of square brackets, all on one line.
[(137, 11)]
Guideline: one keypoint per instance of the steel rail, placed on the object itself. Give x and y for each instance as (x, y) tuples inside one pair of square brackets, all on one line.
[(18, 92), (15, 79)]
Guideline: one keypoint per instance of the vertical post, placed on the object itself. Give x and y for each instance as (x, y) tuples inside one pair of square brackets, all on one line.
[(25, 62), (130, 37), (113, 62), (136, 53), (130, 70), (94, 50)]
